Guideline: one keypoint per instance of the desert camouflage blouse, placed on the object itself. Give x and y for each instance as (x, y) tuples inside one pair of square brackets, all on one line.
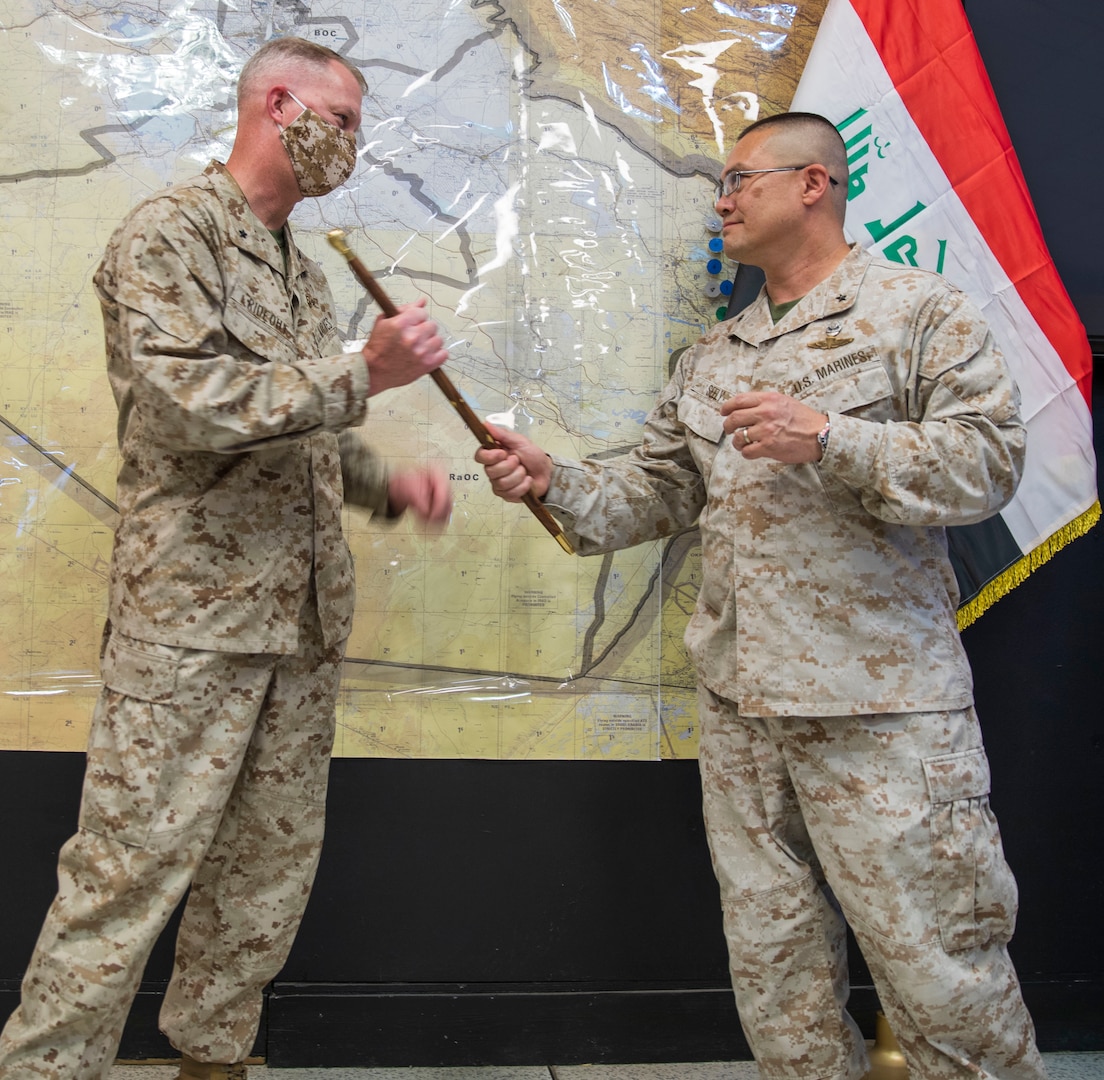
[(826, 587), (231, 385)]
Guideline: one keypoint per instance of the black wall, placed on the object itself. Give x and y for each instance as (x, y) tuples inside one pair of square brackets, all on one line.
[(1044, 60), (494, 912)]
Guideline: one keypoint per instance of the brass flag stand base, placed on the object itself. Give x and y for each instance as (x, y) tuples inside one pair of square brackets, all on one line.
[(886, 1060)]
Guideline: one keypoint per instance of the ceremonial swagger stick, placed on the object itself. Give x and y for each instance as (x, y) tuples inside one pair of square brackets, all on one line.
[(337, 238)]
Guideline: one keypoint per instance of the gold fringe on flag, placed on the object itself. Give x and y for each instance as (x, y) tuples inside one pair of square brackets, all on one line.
[(1019, 571)]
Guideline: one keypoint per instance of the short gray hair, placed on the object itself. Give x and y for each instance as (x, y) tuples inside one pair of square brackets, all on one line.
[(281, 51)]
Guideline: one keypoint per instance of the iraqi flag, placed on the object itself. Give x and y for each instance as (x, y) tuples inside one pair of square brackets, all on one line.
[(935, 183)]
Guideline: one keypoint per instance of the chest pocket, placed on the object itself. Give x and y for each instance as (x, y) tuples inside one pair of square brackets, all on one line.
[(701, 417), (263, 332), (865, 392)]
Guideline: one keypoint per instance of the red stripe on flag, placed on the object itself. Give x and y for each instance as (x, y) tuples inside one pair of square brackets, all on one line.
[(930, 54)]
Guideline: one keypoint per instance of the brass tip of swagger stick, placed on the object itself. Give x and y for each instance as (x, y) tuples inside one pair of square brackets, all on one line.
[(337, 238), (564, 543)]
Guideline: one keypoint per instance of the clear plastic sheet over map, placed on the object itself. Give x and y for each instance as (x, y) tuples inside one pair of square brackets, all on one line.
[(544, 174)]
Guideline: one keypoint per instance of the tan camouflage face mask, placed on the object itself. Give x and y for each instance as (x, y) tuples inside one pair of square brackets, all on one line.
[(322, 156)]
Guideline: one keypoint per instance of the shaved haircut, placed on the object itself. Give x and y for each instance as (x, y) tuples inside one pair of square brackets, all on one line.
[(805, 136)]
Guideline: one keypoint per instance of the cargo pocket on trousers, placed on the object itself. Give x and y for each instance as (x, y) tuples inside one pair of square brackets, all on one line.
[(126, 745), (974, 888)]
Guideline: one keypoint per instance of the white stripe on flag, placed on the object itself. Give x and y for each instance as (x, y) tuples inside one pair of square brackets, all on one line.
[(893, 170)]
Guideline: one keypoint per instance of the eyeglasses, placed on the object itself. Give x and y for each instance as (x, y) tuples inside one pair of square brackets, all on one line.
[(730, 182)]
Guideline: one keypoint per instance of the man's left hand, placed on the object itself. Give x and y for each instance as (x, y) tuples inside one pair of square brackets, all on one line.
[(772, 425), (425, 491)]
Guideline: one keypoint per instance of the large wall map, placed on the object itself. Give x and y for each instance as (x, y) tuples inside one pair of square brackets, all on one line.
[(544, 174)]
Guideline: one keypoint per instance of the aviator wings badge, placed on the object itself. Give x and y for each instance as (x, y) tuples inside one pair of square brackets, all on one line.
[(831, 339)]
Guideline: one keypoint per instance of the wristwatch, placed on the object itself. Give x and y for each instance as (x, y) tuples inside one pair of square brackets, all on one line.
[(822, 438)]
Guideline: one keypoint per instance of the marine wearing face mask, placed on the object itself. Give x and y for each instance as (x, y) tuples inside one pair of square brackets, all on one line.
[(231, 591)]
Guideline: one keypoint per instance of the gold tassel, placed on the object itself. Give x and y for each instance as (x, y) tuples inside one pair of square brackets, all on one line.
[(1020, 570)]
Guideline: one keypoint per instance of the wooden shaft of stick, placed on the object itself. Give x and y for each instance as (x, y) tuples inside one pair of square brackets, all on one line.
[(456, 399)]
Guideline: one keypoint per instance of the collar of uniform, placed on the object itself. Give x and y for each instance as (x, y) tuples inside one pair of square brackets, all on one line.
[(247, 231), (834, 294)]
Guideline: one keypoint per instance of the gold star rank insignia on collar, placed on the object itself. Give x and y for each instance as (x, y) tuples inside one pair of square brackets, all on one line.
[(831, 339)]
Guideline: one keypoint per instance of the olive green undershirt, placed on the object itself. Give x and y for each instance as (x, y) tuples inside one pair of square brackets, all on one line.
[(777, 311), (278, 236)]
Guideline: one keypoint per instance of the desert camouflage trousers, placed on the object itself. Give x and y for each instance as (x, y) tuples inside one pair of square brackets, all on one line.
[(882, 821), (206, 770)]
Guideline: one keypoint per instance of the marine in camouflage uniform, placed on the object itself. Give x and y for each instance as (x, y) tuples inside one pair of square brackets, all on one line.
[(844, 776), (231, 597)]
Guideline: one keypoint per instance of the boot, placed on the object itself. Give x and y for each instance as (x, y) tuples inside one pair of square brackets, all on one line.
[(190, 1069)]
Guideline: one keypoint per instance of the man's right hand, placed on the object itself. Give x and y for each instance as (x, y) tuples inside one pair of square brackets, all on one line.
[(402, 349), (519, 467)]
